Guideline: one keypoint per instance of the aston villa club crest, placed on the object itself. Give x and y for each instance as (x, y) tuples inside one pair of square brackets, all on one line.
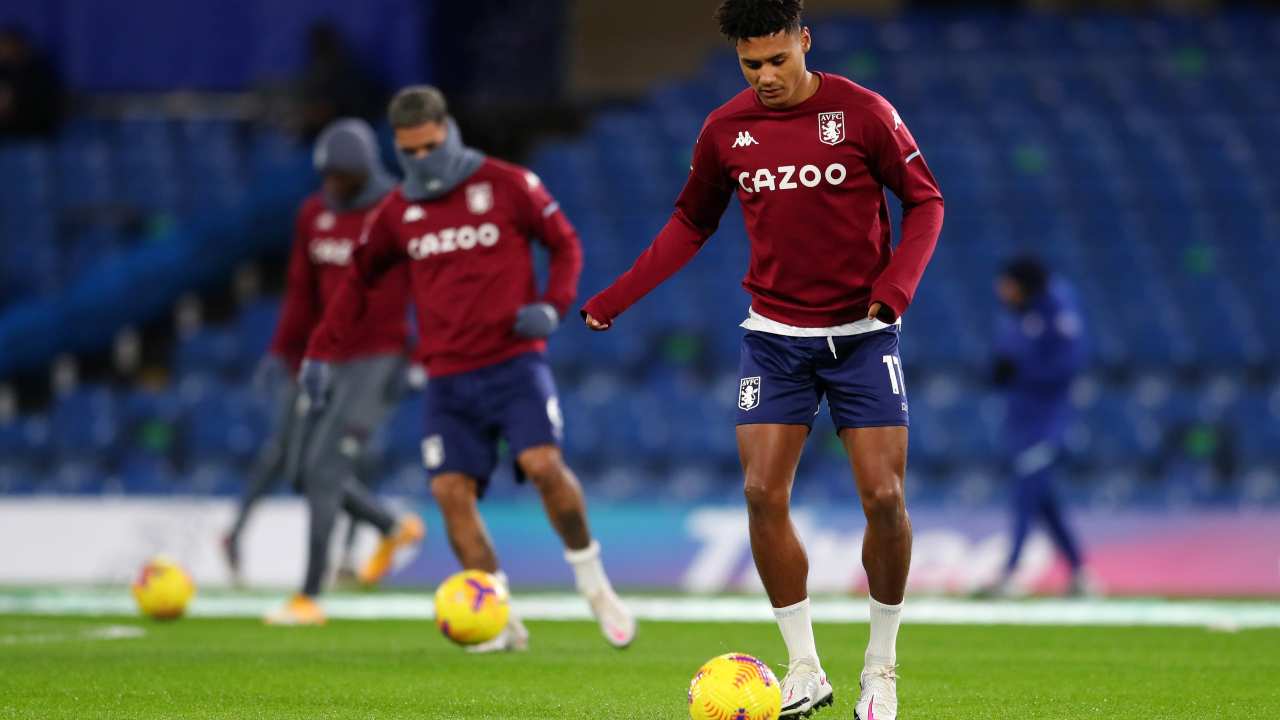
[(480, 198), (433, 452), (325, 221), (831, 127), (749, 393)]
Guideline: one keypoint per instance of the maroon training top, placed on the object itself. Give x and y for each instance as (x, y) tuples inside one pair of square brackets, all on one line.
[(811, 182), (470, 263)]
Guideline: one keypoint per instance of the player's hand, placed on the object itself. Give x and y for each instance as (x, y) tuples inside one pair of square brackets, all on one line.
[(269, 374), (595, 324), (881, 312), (537, 320), (316, 379)]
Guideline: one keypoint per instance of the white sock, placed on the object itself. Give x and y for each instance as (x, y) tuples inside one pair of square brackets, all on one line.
[(501, 577), (882, 649), (588, 570), (797, 631)]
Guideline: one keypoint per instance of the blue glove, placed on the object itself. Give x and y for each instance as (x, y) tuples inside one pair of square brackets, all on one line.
[(269, 374), (316, 379), (536, 321)]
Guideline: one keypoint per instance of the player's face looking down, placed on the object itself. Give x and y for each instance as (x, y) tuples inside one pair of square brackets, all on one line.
[(344, 187), (774, 67), (1010, 292), (419, 141)]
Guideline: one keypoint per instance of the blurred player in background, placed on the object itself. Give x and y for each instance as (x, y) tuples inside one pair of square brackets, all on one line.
[(311, 256), (809, 155), (368, 372), (279, 456), (1038, 353), (461, 225)]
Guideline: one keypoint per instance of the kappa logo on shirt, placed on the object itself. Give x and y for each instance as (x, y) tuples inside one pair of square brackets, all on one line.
[(325, 221), (745, 139), (414, 213)]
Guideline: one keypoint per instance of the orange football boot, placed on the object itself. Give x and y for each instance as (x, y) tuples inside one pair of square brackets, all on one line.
[(409, 531), (299, 610)]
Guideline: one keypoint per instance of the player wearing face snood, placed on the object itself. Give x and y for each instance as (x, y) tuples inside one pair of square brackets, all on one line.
[(464, 226), (437, 174)]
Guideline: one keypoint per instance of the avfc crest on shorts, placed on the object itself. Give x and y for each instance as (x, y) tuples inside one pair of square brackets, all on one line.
[(831, 127), (433, 452), (749, 393), (480, 198)]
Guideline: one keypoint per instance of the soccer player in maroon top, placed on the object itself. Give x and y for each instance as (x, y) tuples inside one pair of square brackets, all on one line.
[(463, 225), (321, 444), (809, 156)]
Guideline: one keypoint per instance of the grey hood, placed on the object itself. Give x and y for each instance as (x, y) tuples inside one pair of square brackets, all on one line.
[(349, 145)]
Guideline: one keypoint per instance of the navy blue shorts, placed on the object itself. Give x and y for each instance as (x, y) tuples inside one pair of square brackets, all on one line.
[(469, 413), (783, 379)]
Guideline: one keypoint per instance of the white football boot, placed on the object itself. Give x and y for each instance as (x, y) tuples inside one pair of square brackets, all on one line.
[(617, 624), (513, 638), (879, 700), (805, 689)]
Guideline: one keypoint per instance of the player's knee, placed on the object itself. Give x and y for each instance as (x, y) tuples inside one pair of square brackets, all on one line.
[(451, 491), (543, 466), (883, 501), (764, 496)]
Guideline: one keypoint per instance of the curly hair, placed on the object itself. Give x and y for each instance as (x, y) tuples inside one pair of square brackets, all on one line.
[(742, 19)]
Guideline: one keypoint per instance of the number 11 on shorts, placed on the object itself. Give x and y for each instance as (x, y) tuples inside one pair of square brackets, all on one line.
[(897, 381)]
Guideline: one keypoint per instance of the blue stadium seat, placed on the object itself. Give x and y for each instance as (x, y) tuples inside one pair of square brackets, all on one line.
[(214, 351), (221, 422), (85, 424), (254, 328), (1134, 153)]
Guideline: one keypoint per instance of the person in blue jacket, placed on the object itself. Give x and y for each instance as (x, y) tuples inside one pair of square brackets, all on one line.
[(1039, 351)]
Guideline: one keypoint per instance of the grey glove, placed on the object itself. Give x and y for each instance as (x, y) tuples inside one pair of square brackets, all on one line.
[(316, 379), (537, 320), (269, 374)]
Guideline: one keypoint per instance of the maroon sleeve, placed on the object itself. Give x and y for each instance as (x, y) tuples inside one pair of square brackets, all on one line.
[(545, 221), (376, 253), (697, 215), (299, 314), (897, 163)]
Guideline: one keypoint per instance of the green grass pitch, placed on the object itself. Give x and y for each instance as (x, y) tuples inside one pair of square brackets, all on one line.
[(64, 667)]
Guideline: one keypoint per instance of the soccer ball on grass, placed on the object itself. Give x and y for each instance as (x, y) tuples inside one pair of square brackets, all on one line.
[(163, 589), (734, 687), (472, 607)]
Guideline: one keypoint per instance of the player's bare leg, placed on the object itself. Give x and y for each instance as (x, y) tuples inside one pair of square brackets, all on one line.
[(567, 510), (457, 497), (769, 455), (561, 494), (879, 459)]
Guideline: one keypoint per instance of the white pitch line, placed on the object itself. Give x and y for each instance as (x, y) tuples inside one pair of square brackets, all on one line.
[(105, 632), (1218, 615)]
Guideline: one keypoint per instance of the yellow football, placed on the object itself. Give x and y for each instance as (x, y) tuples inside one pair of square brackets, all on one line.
[(472, 607), (163, 589), (734, 687)]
